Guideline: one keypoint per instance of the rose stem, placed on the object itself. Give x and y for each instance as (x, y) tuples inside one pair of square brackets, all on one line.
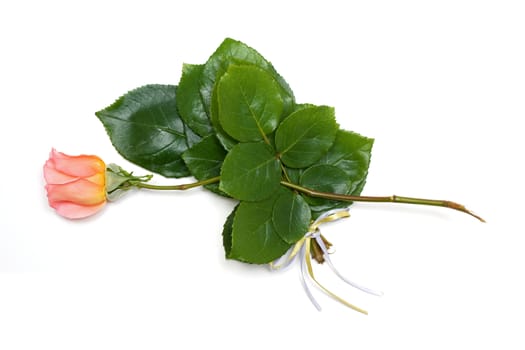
[(328, 195), (391, 199), (178, 187)]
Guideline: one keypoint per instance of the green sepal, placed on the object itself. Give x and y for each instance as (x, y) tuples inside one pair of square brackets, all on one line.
[(118, 181)]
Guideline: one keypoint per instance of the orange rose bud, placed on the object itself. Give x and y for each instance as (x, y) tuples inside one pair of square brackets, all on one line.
[(75, 185)]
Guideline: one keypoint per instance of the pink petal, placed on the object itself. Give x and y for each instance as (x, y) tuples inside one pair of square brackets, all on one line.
[(74, 211), (54, 176), (98, 179), (82, 192), (77, 166)]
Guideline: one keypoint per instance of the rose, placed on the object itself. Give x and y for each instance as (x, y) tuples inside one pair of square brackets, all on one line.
[(75, 185), (290, 166)]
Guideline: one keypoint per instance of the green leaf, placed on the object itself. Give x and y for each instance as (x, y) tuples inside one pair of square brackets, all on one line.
[(146, 129), (226, 140), (205, 160), (189, 101), (230, 51), (305, 136), (325, 178), (291, 216), (250, 103), (293, 174), (235, 52), (253, 236), (250, 172), (300, 106), (227, 231), (191, 137), (351, 153)]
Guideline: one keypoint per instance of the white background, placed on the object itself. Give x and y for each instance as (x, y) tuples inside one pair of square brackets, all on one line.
[(440, 85)]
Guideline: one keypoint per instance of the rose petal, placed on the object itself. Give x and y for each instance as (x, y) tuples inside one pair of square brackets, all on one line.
[(53, 176), (80, 192), (78, 166), (98, 179), (74, 211)]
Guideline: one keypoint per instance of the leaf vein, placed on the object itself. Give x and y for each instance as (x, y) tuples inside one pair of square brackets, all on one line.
[(293, 144), (142, 124)]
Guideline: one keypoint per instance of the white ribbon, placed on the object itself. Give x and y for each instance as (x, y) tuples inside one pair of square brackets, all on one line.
[(302, 248)]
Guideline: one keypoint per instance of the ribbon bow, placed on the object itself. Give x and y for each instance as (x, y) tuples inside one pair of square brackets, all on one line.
[(303, 249)]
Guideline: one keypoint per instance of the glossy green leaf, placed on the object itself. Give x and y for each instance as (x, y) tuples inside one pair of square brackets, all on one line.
[(146, 129), (227, 231), (300, 106), (226, 140), (254, 238), (325, 178), (191, 137), (189, 101), (230, 51), (305, 136), (351, 153), (291, 216), (293, 174), (235, 52), (204, 160), (250, 103), (250, 172)]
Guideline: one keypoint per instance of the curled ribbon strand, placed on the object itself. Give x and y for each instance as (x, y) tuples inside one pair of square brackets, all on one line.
[(303, 249)]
